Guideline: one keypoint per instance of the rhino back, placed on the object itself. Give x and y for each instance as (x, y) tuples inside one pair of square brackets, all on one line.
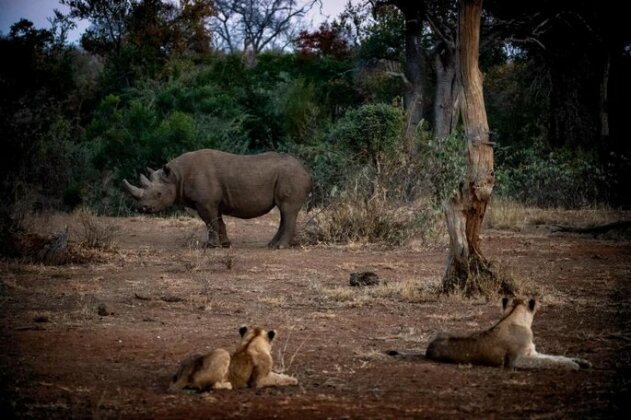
[(243, 186)]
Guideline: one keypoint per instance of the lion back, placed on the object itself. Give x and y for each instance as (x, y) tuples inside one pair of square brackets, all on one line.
[(253, 359)]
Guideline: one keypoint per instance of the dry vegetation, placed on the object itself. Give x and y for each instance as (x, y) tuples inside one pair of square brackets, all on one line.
[(95, 232), (510, 215), (169, 297)]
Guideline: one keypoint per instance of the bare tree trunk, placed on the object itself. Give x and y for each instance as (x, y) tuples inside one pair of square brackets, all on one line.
[(604, 91), (465, 211), (447, 91), (415, 65)]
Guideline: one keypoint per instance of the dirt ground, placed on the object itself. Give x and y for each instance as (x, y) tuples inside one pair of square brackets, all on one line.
[(60, 359)]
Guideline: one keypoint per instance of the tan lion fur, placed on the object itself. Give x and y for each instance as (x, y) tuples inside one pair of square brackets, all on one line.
[(508, 343), (249, 366)]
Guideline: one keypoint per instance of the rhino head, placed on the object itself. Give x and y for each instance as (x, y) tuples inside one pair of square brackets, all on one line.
[(156, 192)]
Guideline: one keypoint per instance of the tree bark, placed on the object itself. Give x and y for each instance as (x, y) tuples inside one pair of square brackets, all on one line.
[(604, 99), (464, 212), (415, 63), (447, 92)]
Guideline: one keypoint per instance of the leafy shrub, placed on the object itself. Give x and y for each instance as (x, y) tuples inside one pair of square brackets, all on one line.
[(371, 133), (385, 38), (383, 88), (443, 165), (329, 166), (156, 126), (541, 177), (389, 206), (365, 137), (297, 110)]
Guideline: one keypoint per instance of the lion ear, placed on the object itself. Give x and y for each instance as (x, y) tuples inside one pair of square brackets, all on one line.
[(532, 305), (271, 334), (243, 330), (505, 301)]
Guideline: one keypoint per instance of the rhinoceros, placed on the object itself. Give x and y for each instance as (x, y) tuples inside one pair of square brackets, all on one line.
[(217, 183)]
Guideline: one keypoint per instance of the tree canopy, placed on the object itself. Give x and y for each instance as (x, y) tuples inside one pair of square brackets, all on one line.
[(151, 79)]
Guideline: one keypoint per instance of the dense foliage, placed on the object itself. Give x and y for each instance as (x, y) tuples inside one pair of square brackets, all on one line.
[(75, 121)]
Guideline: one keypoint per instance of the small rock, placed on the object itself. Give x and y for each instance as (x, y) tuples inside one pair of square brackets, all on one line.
[(41, 318), (105, 309), (366, 278)]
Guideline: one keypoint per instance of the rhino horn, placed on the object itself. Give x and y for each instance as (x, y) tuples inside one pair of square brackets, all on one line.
[(153, 174), (144, 182), (134, 191)]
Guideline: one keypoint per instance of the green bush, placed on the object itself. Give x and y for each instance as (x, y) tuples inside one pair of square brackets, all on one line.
[(545, 178), (370, 133), (381, 87), (443, 165), (363, 139), (297, 109), (389, 206)]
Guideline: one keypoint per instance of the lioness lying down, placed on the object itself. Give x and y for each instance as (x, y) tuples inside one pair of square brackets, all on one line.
[(249, 366), (508, 343)]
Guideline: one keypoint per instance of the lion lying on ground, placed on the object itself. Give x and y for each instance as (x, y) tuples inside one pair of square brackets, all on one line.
[(508, 343), (249, 366)]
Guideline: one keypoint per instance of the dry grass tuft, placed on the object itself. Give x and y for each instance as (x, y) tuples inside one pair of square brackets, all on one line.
[(370, 354), (409, 290), (353, 219), (276, 301), (281, 364), (506, 214), (205, 259), (191, 239), (511, 215), (229, 260), (499, 281), (95, 232)]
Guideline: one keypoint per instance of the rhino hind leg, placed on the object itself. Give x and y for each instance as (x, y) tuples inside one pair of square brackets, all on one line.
[(274, 242), (287, 227), (289, 195)]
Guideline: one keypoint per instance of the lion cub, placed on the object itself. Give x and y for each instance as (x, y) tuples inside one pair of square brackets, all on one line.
[(508, 343), (249, 366)]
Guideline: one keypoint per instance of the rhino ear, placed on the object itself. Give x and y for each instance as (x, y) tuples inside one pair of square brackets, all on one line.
[(166, 172)]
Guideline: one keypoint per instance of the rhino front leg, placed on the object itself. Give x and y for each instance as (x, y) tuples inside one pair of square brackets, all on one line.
[(211, 216), (223, 234)]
